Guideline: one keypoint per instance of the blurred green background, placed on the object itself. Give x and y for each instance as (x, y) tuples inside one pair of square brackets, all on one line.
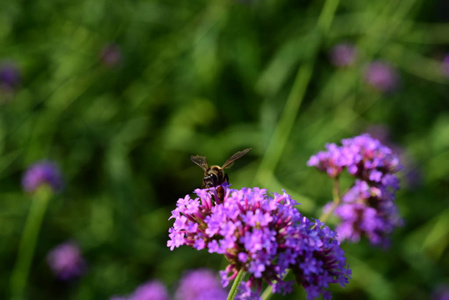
[(211, 78)]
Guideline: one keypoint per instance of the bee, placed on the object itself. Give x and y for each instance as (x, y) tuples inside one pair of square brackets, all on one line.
[(214, 176)]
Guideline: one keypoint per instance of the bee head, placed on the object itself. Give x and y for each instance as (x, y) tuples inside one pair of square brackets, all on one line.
[(214, 176)]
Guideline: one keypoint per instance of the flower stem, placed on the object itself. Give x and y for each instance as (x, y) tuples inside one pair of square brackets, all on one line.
[(267, 293), (337, 201), (39, 203), (293, 103), (235, 285)]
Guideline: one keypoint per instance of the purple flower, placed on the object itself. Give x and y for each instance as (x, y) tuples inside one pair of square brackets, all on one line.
[(367, 208), (343, 55), (42, 173), (9, 74), (410, 169), (381, 76), (66, 261), (445, 65), (441, 293), (151, 290), (111, 55), (9, 80), (200, 284), (262, 235)]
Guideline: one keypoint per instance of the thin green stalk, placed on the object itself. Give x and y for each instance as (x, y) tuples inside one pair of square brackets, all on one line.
[(336, 202), (294, 101), (268, 291), (235, 285), (39, 203), (287, 120)]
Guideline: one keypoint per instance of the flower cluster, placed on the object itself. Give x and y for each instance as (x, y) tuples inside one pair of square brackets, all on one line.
[(41, 173), (201, 284), (441, 293), (343, 55), (382, 76), (262, 235), (111, 55), (368, 206), (66, 261), (9, 80), (445, 65), (150, 290)]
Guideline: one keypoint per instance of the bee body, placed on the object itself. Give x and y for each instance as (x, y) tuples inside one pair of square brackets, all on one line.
[(214, 176)]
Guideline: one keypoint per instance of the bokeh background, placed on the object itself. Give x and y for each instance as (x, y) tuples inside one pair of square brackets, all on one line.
[(119, 94)]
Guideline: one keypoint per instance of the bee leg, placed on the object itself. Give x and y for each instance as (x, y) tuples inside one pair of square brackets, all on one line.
[(226, 178)]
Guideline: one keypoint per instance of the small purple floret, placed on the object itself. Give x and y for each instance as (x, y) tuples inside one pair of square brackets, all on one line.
[(381, 76), (42, 173), (151, 290), (200, 284), (343, 55), (111, 55), (66, 261)]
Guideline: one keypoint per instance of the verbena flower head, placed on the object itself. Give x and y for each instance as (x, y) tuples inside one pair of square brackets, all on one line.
[(111, 55), (368, 206), (9, 74), (410, 170), (151, 290), (66, 261), (42, 173), (445, 65), (262, 235), (200, 284), (381, 76), (9, 80), (441, 293), (343, 55)]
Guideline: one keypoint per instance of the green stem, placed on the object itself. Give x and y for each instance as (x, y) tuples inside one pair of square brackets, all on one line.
[(291, 109), (285, 125), (268, 292), (235, 285), (337, 201), (39, 203)]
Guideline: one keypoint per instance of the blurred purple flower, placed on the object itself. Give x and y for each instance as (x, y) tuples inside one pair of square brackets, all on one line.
[(151, 290), (9, 74), (445, 65), (111, 55), (381, 76), (9, 80), (200, 284), (42, 173), (441, 293), (368, 206), (66, 261), (410, 170), (343, 55), (367, 210), (262, 235)]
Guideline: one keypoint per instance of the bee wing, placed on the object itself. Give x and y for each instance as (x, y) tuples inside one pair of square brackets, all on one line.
[(200, 161), (234, 157)]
